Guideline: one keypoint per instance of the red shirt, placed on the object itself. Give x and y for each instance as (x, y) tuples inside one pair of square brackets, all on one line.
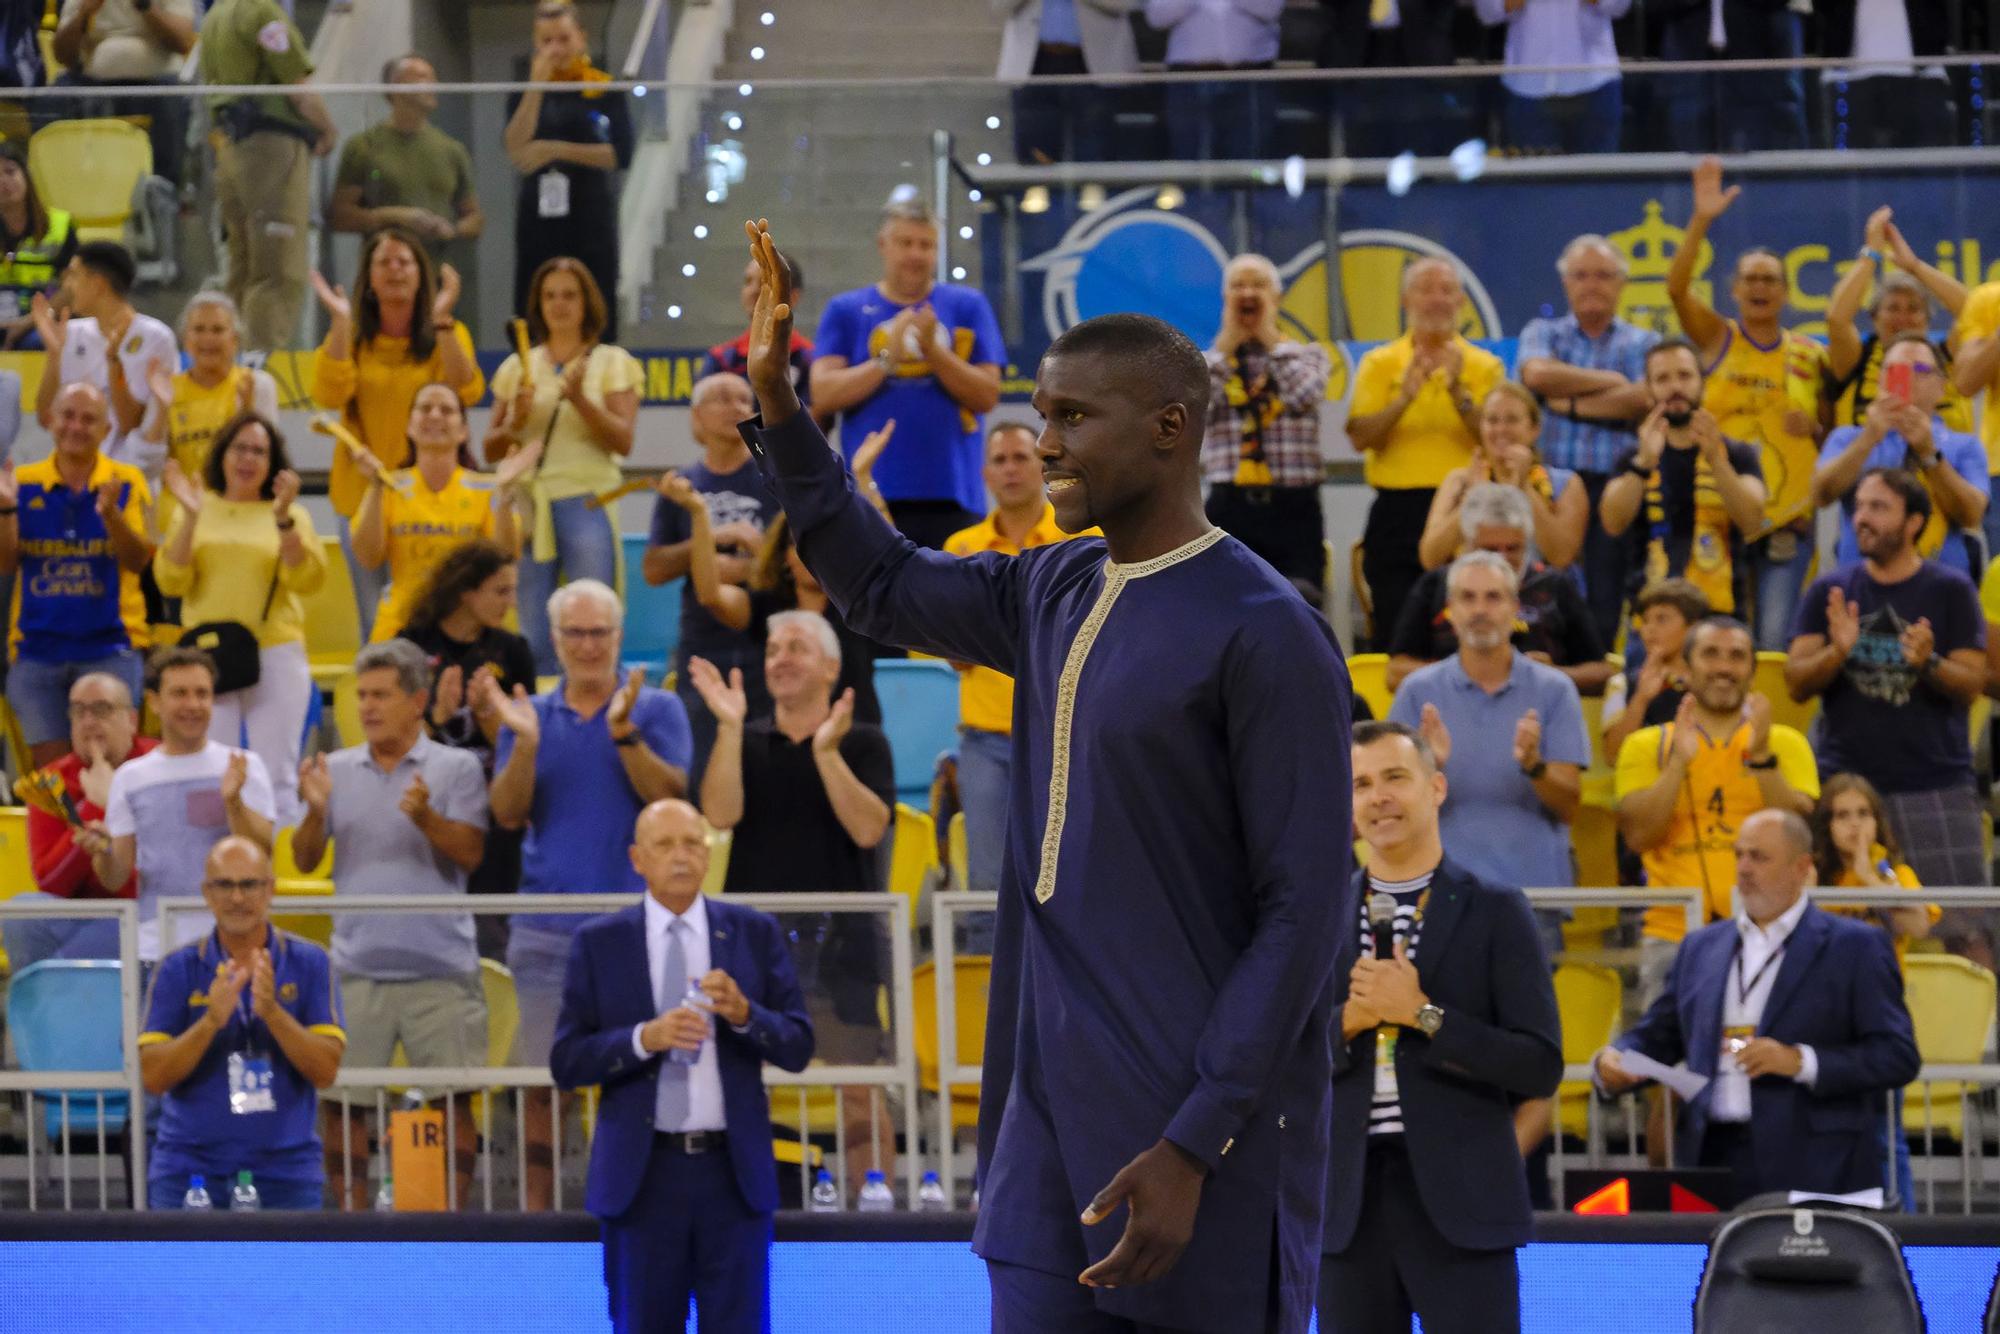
[(60, 866)]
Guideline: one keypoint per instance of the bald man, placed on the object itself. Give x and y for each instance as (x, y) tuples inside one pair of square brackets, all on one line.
[(681, 1174), (242, 1029), (1795, 1018), (73, 533)]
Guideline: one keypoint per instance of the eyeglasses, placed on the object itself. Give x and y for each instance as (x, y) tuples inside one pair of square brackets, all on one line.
[(235, 888), (586, 633), (1921, 368), (100, 711)]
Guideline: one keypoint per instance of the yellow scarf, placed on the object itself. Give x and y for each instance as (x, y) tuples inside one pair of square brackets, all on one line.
[(1709, 567), (580, 70), (1256, 409)]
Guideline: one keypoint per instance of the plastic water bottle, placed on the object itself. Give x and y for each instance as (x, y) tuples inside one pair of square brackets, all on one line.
[(385, 1196), (876, 1197), (243, 1196), (197, 1194), (825, 1195), (696, 999), (930, 1195)]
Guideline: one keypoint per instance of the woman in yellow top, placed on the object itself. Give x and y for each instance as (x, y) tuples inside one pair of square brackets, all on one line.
[(211, 392), (243, 549), (1855, 849), (1509, 452), (1763, 386), (394, 337), (579, 398), (410, 519)]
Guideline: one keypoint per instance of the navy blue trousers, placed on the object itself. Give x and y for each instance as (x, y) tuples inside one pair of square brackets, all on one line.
[(688, 1233)]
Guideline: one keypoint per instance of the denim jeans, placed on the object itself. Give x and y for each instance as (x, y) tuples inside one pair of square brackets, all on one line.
[(30, 940), (1778, 585), (985, 777), (368, 584), (1581, 123), (586, 548), (39, 691)]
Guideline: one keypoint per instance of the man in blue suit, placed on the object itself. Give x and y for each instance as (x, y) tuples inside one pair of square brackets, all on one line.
[(1796, 1018), (681, 1173), (1426, 1198)]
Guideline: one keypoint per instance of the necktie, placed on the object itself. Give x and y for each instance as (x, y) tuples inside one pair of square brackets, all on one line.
[(670, 1103)]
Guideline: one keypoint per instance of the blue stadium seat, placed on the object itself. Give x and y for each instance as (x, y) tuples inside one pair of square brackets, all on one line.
[(920, 713), (652, 615), (63, 1014)]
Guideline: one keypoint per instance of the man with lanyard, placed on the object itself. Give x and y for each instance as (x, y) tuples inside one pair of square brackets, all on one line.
[(1904, 428), (1763, 385), (242, 1029), (1685, 788), (1260, 456)]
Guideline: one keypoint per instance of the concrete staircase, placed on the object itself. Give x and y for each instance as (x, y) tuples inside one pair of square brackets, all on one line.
[(821, 161)]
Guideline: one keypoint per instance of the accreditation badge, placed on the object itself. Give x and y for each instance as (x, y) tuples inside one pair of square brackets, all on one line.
[(1734, 1039), (552, 195), (1385, 1063), (250, 1090)]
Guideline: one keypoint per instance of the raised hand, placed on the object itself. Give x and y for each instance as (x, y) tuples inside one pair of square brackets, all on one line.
[(315, 784), (1843, 621), (95, 776), (1708, 437), (725, 700), (871, 450), (1711, 201), (160, 380), (1919, 642), (1652, 438), (680, 491), (1528, 740), (1875, 232), (925, 321), (1757, 712), (1419, 370), (1687, 732), (835, 728), (246, 392), (225, 990), (522, 404), (448, 694), (416, 801), (769, 368), (234, 774), (447, 295), (619, 716), (517, 714), (572, 378), (187, 492), (284, 493), (108, 497), (517, 464), (10, 490), (1430, 725), (51, 324), (263, 986), (332, 297)]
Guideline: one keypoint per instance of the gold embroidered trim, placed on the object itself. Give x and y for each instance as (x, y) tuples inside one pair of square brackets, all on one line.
[(1116, 576)]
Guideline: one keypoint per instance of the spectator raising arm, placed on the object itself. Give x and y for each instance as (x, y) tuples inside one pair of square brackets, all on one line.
[(1706, 329), (861, 813), (726, 602), (651, 777), (513, 790), (722, 781)]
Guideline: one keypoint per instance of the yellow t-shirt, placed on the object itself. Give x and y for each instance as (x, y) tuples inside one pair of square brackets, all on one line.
[(228, 573), (196, 414), (1430, 438), (1904, 876), (1979, 317), (986, 697), (1720, 793), (574, 464), (423, 526), (1750, 390), (374, 392), (1989, 591)]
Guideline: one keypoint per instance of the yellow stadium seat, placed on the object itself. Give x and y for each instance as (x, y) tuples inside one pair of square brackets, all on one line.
[(1594, 834), (1770, 681), (955, 848), (91, 168), (1370, 674), (17, 874), (1593, 727), (914, 855), (973, 972), (503, 1010), (314, 926), (333, 623), (347, 708), (719, 841), (286, 867), (1951, 1008), (1588, 999)]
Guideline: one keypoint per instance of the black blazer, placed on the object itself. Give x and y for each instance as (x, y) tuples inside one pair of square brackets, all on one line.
[(1480, 960)]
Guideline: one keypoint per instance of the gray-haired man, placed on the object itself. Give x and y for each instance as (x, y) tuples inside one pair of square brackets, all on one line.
[(1554, 626), (407, 816)]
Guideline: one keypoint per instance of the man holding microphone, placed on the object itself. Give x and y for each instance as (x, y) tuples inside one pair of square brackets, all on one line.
[(1448, 1018)]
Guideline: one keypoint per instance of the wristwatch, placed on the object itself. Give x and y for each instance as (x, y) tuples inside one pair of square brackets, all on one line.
[(1768, 762), (1429, 1020)]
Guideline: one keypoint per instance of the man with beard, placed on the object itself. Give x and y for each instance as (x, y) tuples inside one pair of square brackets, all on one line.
[(1260, 456), (1895, 646), (1686, 497), (1685, 788)]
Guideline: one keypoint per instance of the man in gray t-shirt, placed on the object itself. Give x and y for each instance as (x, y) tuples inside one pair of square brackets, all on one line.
[(407, 816)]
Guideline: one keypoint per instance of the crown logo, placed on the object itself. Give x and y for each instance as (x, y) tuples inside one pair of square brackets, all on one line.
[(1649, 250)]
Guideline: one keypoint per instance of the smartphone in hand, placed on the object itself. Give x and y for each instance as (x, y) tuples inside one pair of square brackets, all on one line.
[(1896, 382)]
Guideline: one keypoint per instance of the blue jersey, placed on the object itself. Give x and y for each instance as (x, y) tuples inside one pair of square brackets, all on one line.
[(936, 451), (198, 1130)]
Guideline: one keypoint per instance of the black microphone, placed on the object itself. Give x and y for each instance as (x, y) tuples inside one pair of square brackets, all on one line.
[(1382, 921)]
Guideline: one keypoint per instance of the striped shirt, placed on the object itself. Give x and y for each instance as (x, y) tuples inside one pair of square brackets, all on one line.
[(1385, 1115), (1586, 446)]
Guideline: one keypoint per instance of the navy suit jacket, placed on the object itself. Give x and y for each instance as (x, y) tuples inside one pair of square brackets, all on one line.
[(1839, 991), (1480, 960), (608, 988)]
